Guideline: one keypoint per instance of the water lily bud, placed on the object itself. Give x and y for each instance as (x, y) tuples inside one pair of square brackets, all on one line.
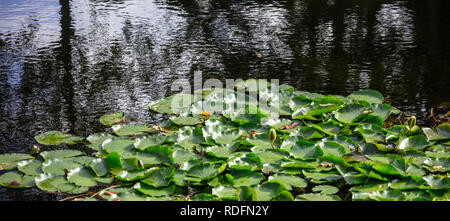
[(272, 136), (411, 122), (414, 130), (34, 150)]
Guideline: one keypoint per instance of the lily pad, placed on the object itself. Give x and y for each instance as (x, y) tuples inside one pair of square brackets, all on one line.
[(225, 193), (126, 129), (349, 113), (159, 177), (58, 166), (52, 183), (370, 96), (269, 190), (30, 167), (289, 181), (204, 171), (9, 161), (246, 178), (142, 143), (82, 176), (16, 180), (112, 118), (54, 137), (186, 120), (325, 189), (60, 154), (245, 161), (317, 197)]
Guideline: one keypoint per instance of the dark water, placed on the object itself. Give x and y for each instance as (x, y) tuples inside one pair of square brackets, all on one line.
[(65, 63)]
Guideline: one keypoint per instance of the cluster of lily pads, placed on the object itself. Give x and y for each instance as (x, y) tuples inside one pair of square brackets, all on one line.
[(318, 147)]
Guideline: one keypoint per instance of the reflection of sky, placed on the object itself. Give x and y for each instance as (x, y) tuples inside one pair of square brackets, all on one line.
[(15, 15)]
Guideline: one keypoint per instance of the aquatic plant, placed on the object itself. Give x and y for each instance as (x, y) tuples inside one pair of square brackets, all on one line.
[(320, 147)]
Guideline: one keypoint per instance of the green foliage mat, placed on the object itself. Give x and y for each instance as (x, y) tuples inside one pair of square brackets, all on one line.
[(321, 147)]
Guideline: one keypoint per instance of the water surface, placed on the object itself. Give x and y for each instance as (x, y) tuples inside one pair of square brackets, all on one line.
[(65, 63)]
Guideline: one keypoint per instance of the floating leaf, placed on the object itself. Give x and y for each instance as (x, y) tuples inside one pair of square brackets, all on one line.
[(317, 197), (159, 177), (97, 139), (118, 144), (110, 119), (225, 193), (370, 96), (186, 120), (56, 138), (156, 155), (58, 166), (16, 180), (142, 143), (52, 183), (126, 129), (153, 191), (9, 161), (350, 113), (82, 176), (30, 167), (204, 171), (173, 104), (247, 193), (245, 161), (246, 178), (60, 154), (325, 189), (268, 191), (289, 181)]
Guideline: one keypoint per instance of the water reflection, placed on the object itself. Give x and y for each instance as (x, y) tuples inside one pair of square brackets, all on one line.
[(63, 64)]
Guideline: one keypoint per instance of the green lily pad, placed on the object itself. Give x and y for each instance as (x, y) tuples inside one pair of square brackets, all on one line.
[(225, 193), (153, 191), (189, 137), (246, 178), (437, 181), (156, 155), (118, 144), (418, 142), (60, 154), (317, 197), (322, 176), (55, 183), (289, 181), (438, 164), (142, 143), (247, 193), (269, 190), (186, 120), (99, 166), (305, 150), (58, 166), (349, 113), (325, 189), (56, 138), (173, 104), (370, 96), (16, 180), (82, 176), (130, 176), (126, 129), (204, 171), (97, 139), (112, 118), (30, 167), (245, 161), (9, 161), (159, 177)]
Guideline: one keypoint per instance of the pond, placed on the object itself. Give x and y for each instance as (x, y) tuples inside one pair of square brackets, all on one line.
[(63, 64)]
